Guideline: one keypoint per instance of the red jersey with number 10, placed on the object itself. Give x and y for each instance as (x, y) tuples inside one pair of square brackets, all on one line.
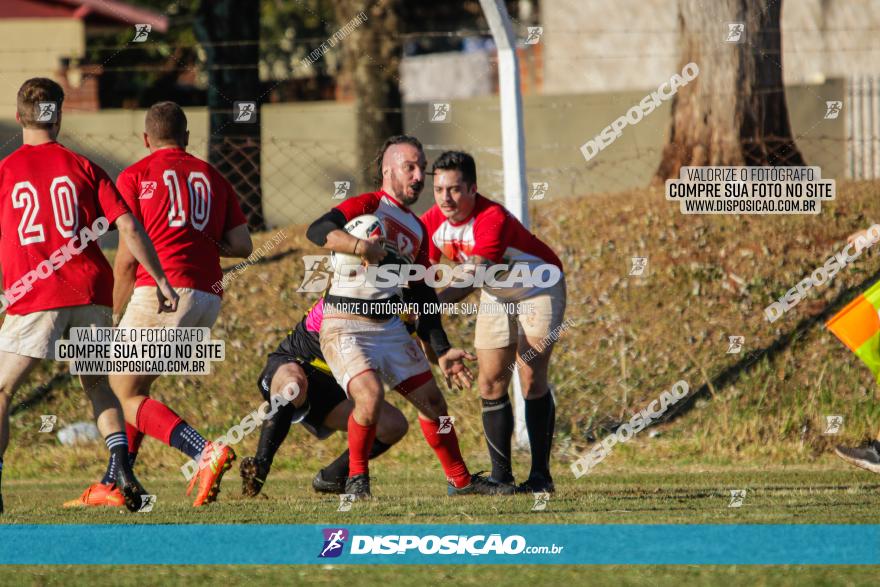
[(48, 196), (186, 207)]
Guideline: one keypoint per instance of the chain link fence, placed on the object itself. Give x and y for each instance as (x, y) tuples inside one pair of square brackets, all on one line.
[(305, 161)]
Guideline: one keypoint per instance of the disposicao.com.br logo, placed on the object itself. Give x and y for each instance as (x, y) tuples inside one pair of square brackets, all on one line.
[(334, 542), (430, 544)]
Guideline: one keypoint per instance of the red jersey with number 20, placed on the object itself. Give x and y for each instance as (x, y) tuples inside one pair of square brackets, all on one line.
[(186, 207), (48, 196)]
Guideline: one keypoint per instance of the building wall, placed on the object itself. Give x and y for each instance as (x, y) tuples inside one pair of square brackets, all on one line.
[(306, 148), (591, 47), (446, 75), (309, 146), (557, 126), (29, 50)]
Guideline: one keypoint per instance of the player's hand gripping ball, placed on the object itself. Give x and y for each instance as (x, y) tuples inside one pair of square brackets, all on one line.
[(368, 228)]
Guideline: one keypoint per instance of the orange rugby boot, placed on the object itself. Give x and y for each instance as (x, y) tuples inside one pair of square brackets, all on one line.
[(215, 462), (98, 495)]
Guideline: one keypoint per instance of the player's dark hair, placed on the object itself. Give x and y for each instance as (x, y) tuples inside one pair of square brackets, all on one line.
[(395, 140), (166, 123), (31, 93), (457, 161)]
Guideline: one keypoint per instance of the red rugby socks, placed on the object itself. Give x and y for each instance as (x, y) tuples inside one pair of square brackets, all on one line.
[(135, 437), (446, 448), (360, 441), (157, 420)]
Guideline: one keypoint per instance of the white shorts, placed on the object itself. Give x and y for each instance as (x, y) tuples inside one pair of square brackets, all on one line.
[(353, 346), (34, 334), (195, 308), (541, 315)]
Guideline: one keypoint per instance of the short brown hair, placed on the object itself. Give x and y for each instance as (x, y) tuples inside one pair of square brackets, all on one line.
[(166, 123), (457, 161), (31, 93)]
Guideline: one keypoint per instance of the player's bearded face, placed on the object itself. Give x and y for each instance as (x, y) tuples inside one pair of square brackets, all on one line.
[(407, 174), (407, 188)]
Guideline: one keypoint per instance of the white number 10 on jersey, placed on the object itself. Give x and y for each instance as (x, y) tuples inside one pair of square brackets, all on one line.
[(199, 189)]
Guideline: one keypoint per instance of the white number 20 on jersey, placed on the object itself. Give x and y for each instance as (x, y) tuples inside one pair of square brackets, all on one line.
[(199, 189), (62, 193)]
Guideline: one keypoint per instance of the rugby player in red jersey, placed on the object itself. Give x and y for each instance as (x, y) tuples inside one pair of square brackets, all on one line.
[(54, 204), (191, 213), (468, 228), (366, 344)]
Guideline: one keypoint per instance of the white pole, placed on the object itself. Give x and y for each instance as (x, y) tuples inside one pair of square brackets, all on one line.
[(513, 149)]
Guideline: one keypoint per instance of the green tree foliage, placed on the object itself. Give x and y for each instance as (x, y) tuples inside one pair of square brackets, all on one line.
[(170, 65)]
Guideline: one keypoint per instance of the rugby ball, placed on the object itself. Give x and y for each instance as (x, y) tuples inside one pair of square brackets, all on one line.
[(362, 227)]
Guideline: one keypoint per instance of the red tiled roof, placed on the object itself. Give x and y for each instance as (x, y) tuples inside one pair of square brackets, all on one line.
[(100, 11)]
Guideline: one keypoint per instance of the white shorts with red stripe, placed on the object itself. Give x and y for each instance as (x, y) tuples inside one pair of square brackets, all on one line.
[(352, 346)]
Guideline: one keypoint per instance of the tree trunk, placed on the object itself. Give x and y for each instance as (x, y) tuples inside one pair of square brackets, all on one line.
[(371, 61), (734, 112), (229, 31)]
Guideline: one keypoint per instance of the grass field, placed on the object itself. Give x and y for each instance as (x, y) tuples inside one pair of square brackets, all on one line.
[(829, 492), (419, 575), (754, 424), (708, 277)]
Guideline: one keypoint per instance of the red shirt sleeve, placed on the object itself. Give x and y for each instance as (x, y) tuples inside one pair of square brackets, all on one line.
[(359, 205), (234, 215), (429, 219), (109, 199), (490, 227), (127, 186)]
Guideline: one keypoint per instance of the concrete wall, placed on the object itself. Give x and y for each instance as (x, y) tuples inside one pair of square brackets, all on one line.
[(307, 147), (592, 46), (30, 50), (446, 75), (556, 127)]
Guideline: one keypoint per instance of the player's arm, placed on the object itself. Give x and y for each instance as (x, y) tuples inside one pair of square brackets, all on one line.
[(237, 242), (142, 249), (462, 381), (456, 293), (430, 330), (117, 204), (328, 231), (429, 352), (124, 274)]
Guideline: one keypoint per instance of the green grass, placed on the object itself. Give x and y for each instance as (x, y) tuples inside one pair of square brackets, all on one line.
[(708, 277), (830, 492), (480, 576)]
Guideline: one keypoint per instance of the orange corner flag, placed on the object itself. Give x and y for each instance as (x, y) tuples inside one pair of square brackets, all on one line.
[(858, 327)]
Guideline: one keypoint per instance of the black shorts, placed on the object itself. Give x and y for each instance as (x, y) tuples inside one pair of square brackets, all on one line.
[(322, 396)]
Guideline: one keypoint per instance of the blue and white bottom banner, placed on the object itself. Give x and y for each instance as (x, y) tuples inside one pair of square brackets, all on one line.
[(608, 544)]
